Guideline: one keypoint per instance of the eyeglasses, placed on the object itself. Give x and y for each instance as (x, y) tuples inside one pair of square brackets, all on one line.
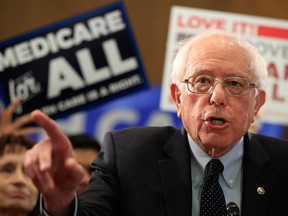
[(204, 84)]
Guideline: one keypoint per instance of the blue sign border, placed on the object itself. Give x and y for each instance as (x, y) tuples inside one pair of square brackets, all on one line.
[(117, 5)]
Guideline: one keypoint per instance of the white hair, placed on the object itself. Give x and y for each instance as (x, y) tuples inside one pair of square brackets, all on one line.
[(257, 65)]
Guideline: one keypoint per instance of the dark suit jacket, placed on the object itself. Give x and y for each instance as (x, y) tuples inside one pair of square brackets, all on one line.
[(146, 172)]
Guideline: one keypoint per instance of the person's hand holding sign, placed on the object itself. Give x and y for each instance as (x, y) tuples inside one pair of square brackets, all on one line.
[(19, 125), (52, 166)]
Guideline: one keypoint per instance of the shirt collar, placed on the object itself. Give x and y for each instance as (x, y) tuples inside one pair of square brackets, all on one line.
[(231, 161)]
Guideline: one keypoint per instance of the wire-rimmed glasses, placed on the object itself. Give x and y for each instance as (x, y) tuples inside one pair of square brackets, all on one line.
[(204, 84)]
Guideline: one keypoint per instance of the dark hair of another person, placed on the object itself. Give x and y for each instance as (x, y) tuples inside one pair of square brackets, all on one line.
[(84, 141), (14, 141)]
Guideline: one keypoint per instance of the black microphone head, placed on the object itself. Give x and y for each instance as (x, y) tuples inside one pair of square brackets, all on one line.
[(232, 209)]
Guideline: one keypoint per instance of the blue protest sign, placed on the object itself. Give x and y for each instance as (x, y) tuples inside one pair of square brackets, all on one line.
[(72, 64)]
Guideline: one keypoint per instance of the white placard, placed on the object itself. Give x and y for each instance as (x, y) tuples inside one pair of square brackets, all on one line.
[(270, 36)]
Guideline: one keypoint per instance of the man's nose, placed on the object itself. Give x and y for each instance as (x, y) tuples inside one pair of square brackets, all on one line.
[(218, 94)]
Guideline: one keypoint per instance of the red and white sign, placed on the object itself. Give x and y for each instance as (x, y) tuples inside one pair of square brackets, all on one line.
[(270, 36)]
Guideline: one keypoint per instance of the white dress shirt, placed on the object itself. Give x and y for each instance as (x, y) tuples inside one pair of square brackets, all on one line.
[(230, 181)]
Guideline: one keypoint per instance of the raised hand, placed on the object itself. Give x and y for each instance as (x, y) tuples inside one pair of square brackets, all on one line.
[(52, 166), (17, 127)]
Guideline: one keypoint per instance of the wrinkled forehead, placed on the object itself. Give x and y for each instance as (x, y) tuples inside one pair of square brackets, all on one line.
[(219, 49), (217, 43)]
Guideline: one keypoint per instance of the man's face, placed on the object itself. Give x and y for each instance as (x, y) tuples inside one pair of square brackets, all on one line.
[(217, 120), (16, 188)]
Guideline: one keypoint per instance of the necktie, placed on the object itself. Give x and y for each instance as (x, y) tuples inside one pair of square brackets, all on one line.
[(212, 197)]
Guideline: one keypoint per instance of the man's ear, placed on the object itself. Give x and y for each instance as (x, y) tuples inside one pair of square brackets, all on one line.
[(260, 101), (175, 94)]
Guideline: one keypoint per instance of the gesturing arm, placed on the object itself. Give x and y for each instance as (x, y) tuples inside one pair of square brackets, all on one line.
[(53, 168)]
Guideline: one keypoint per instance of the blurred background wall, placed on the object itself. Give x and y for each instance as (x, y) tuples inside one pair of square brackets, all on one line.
[(148, 18)]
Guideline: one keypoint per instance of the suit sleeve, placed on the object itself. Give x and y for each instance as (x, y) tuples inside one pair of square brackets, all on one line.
[(102, 195)]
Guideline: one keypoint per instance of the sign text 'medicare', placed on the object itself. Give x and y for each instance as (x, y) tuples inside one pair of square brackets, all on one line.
[(71, 60)]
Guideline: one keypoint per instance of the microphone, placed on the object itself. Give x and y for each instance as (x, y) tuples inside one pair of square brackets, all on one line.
[(232, 209)]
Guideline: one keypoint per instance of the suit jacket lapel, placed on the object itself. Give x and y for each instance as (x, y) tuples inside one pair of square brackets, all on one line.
[(175, 176), (257, 180)]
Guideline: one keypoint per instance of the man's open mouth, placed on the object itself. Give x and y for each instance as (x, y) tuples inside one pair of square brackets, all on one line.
[(217, 121)]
